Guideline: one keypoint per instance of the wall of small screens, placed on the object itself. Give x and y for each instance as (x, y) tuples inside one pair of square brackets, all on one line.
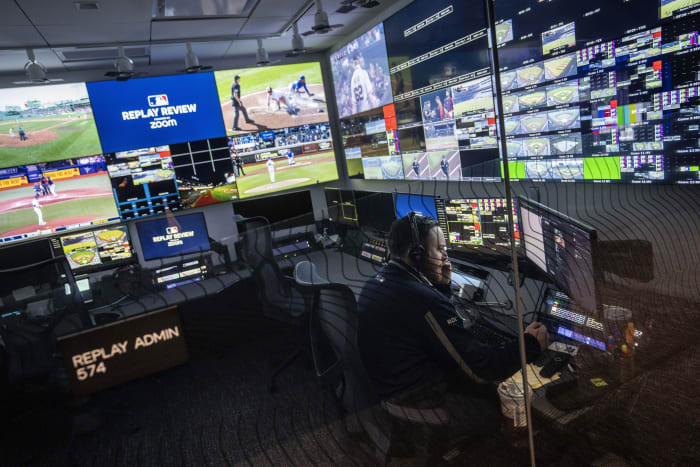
[(74, 156), (602, 91)]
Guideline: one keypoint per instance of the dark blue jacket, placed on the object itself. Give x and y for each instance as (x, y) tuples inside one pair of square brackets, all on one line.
[(404, 323)]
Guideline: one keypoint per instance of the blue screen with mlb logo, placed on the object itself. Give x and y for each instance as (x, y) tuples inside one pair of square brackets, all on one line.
[(156, 111), (173, 235)]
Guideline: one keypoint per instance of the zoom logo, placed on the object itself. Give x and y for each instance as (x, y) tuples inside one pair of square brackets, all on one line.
[(172, 230), (158, 100)]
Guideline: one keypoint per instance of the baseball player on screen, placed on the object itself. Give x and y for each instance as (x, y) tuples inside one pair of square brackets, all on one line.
[(278, 97), (270, 169), (299, 86), (361, 88), (416, 167), (37, 209), (290, 157), (445, 166)]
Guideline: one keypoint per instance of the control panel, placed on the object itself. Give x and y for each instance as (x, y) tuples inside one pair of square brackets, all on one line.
[(375, 251)]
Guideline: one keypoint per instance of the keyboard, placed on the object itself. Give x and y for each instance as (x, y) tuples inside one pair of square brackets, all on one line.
[(490, 337)]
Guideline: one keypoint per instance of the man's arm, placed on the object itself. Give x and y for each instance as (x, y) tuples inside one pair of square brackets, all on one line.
[(451, 344)]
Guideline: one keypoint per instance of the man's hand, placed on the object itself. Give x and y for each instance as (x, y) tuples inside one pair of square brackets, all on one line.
[(446, 273), (539, 332)]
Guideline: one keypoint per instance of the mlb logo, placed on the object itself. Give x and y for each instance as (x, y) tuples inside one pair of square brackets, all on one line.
[(158, 100), (172, 230)]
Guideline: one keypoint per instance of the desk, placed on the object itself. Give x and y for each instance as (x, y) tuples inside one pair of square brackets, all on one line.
[(337, 267)]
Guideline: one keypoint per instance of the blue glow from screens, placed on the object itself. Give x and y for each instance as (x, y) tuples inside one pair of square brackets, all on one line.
[(423, 205), (157, 111), (171, 236)]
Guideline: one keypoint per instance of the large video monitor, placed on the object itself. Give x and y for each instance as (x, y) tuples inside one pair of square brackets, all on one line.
[(600, 91), (361, 74), (271, 97), (563, 248), (146, 112), (46, 123), (281, 159), (173, 236), (46, 198), (478, 225), (96, 249)]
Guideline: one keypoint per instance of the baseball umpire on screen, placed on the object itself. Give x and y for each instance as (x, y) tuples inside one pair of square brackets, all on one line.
[(238, 103)]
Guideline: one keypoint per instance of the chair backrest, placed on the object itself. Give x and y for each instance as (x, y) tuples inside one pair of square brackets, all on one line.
[(256, 241), (305, 273), (334, 323)]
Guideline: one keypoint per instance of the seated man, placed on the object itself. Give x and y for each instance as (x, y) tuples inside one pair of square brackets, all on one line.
[(415, 351)]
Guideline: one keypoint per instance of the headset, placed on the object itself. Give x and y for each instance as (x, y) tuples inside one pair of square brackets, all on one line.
[(417, 251)]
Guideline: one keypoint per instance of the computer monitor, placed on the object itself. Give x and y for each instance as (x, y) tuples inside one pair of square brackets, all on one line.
[(375, 210), (341, 206), (173, 235), (477, 225), (423, 205), (95, 249), (281, 211), (564, 249)]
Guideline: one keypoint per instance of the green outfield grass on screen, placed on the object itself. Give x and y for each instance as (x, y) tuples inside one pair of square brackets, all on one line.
[(56, 123)]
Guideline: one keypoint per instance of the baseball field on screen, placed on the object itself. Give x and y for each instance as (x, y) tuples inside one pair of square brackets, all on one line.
[(307, 170)]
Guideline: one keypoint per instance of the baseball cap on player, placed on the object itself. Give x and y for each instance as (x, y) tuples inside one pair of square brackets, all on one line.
[(269, 89), (302, 78), (236, 77)]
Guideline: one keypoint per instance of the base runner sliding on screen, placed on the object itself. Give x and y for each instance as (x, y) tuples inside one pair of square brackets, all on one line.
[(238, 103), (279, 98), (299, 86)]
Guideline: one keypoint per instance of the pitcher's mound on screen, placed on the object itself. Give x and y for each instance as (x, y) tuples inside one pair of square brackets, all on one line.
[(309, 109), (277, 186)]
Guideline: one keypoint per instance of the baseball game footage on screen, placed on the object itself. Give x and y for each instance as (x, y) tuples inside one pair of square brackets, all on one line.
[(145, 112), (267, 98), (361, 73), (286, 158), (38, 199), (46, 123)]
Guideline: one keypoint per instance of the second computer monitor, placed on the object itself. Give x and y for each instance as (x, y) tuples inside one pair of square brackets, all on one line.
[(563, 248)]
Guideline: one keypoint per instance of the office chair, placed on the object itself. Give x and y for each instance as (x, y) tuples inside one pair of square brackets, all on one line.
[(279, 295), (305, 273), (29, 338), (338, 365)]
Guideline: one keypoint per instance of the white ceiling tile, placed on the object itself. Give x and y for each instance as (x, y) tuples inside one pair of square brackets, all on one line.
[(64, 12), (20, 36), (12, 15), (275, 8), (95, 33), (196, 28), (255, 26)]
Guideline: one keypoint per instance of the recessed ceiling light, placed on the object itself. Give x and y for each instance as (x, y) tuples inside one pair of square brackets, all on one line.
[(87, 6)]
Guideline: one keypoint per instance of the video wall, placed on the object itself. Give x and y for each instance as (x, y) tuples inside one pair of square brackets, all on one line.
[(598, 91), (76, 155)]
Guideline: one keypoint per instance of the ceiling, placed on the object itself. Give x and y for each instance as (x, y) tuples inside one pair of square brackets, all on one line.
[(68, 39)]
